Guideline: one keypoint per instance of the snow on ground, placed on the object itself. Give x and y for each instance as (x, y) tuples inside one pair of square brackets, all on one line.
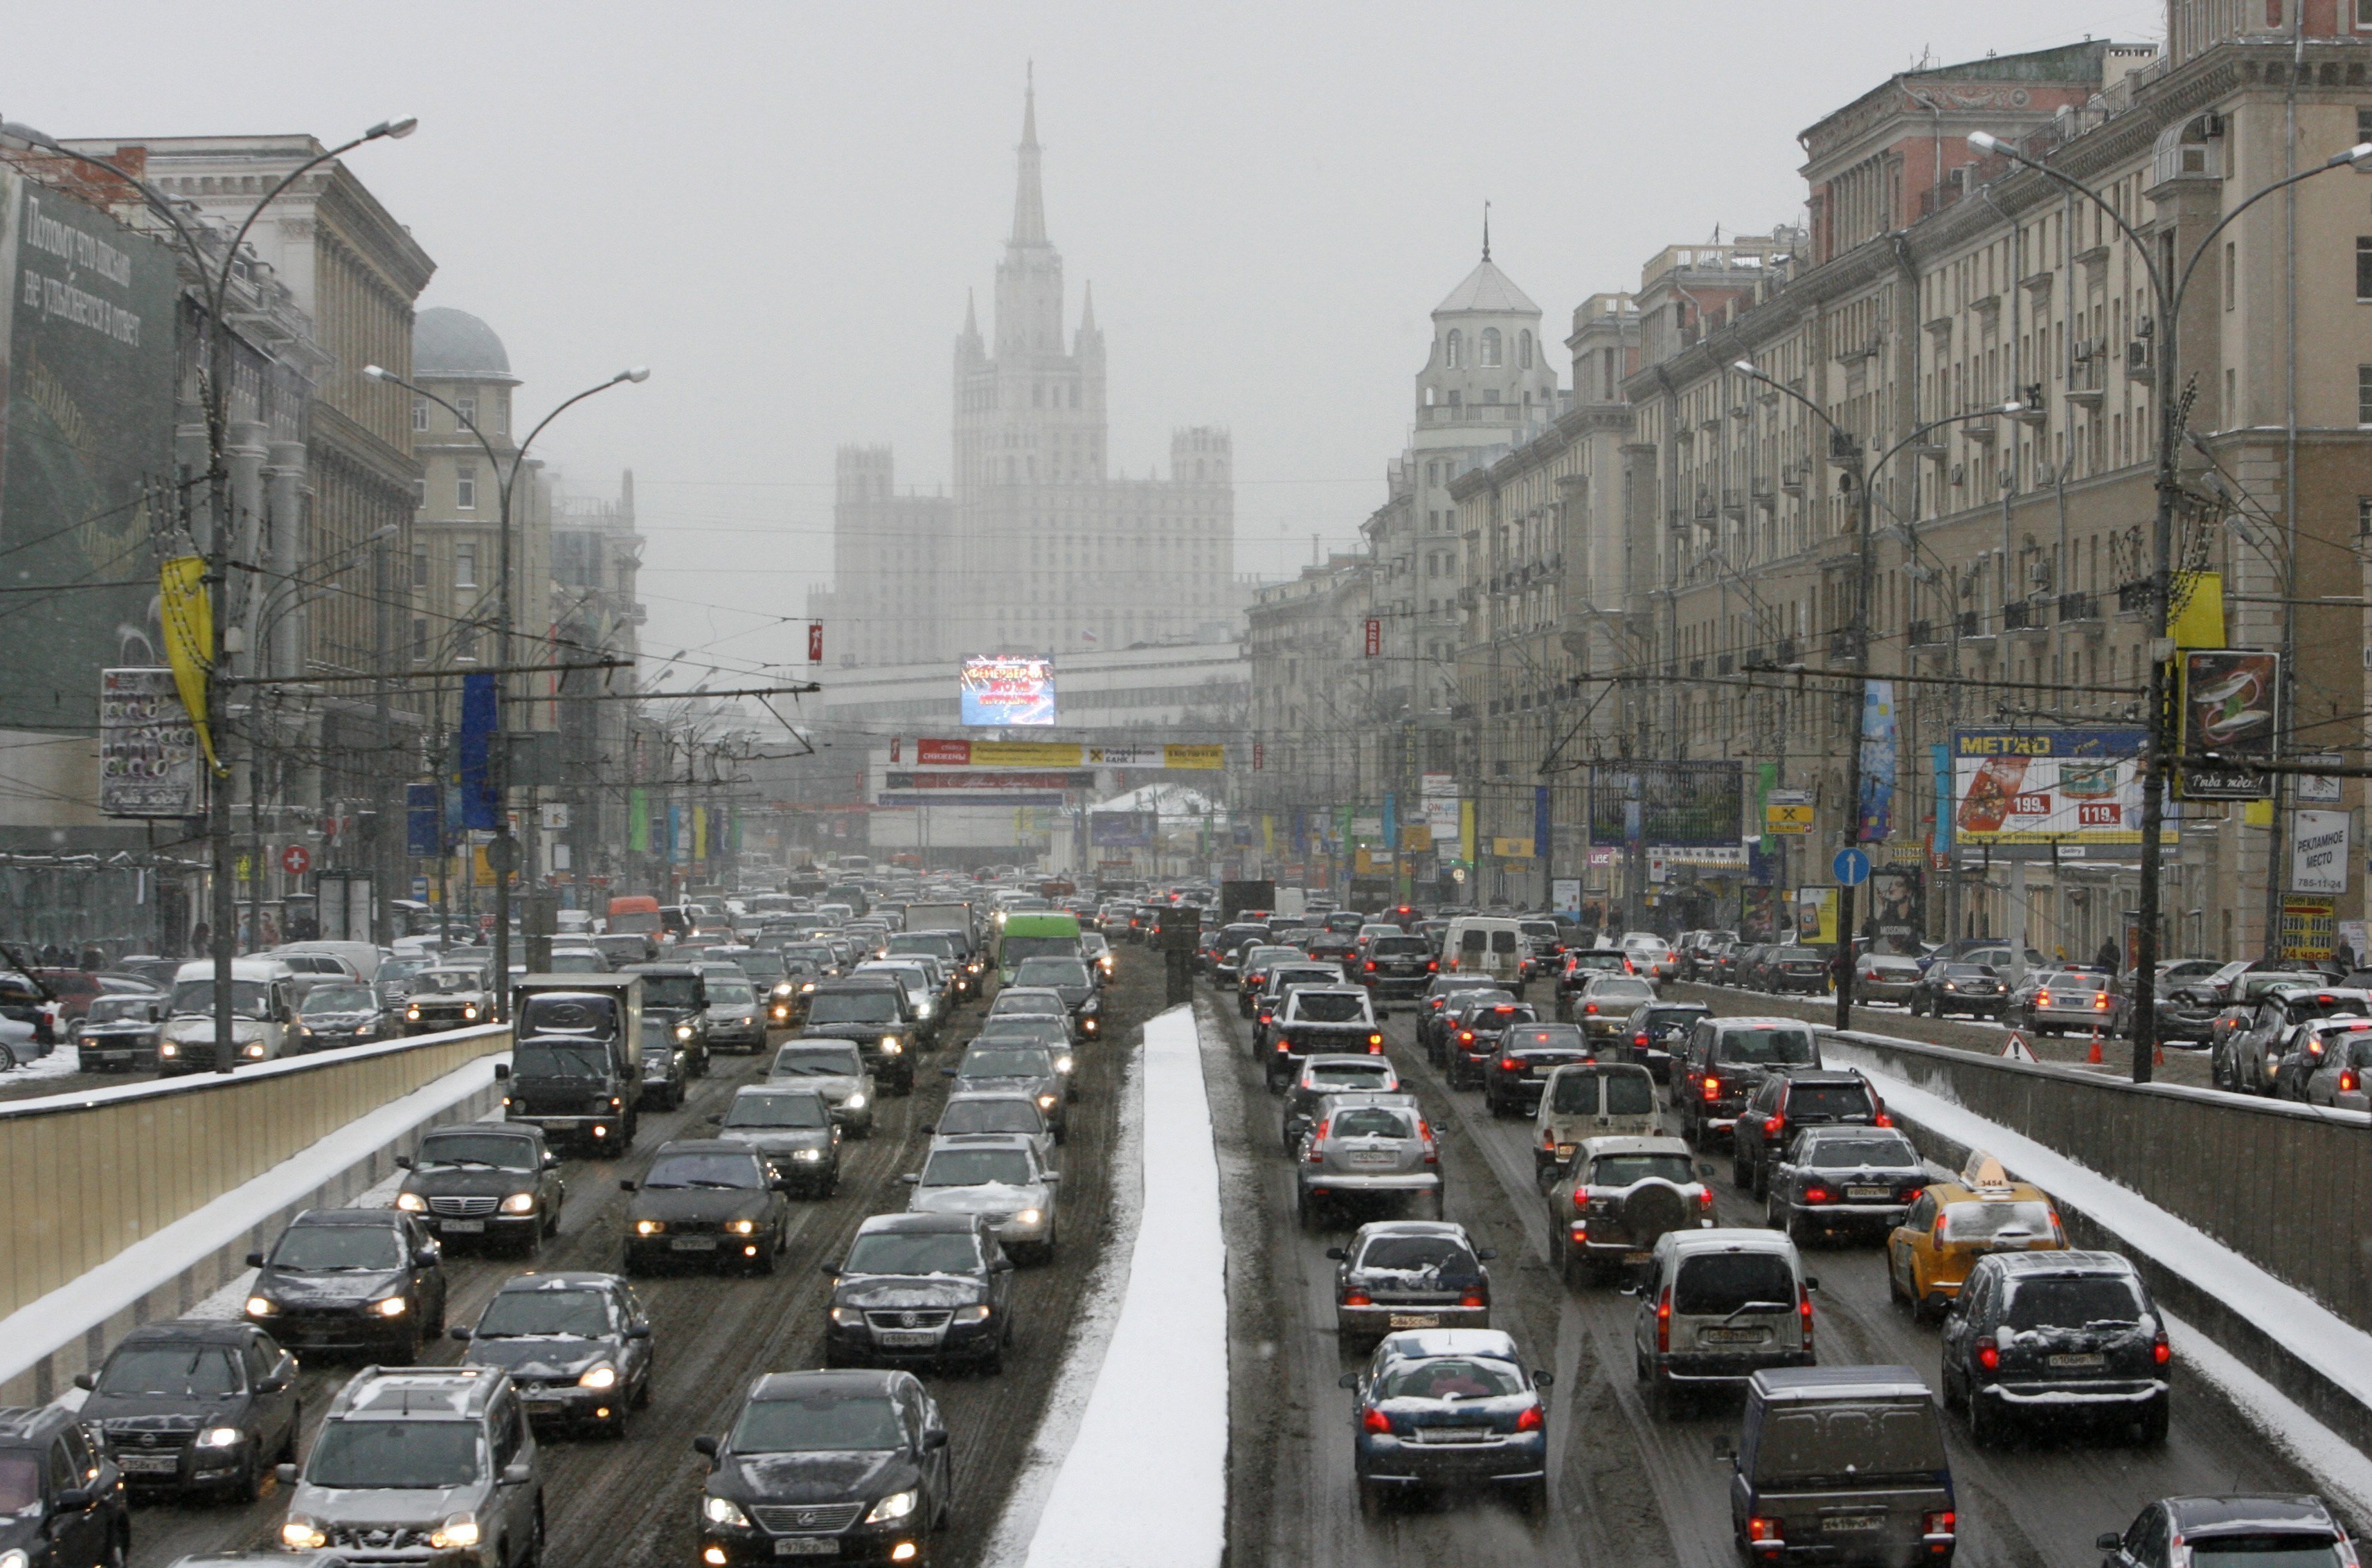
[(55, 1320), (62, 1062), (1175, 1315), (2334, 1348)]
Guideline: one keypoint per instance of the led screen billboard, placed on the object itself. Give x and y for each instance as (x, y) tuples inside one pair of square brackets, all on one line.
[(1006, 690)]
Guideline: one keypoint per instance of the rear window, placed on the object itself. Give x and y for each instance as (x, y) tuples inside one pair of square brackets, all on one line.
[(2071, 1303), (1451, 1378), (1373, 1121), (1471, 941), (2003, 1220), (1829, 1102), (1502, 942), (1443, 1255), (1767, 1048), (1322, 1007), (1852, 1153), (2266, 1552), (1723, 1283), (1348, 1076), (1622, 1170), (1630, 1094), (1631, 990), (1400, 948), (1863, 1442), (1576, 1094)]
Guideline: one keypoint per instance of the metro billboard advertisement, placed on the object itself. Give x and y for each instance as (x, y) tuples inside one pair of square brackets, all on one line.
[(2033, 787), (1006, 691)]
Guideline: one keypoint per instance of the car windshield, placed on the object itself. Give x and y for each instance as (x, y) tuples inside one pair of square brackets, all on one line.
[(449, 981), (203, 1370), (875, 1006), (778, 1110), (1373, 1121), (991, 1115), (1020, 947), (337, 999), (326, 1249), (1829, 1102), (1622, 1170), (1851, 1153), (1631, 991), (21, 1483), (1419, 1254), (759, 964), (1723, 1283), (1997, 1220), (195, 998), (913, 1252), (404, 1455), (1330, 1008), (2266, 1550), (816, 1061), (704, 1170), (1027, 1005), (1004, 1063), (115, 1010), (822, 1424), (559, 1314), (1451, 1377), (731, 994), (476, 1148), (976, 1167), (2074, 1303), (675, 992), (1052, 971), (559, 1059), (1768, 1048)]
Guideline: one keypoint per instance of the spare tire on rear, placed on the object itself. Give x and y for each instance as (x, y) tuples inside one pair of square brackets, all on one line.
[(1652, 1209)]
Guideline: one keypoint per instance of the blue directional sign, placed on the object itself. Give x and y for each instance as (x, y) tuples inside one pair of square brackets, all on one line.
[(1851, 866)]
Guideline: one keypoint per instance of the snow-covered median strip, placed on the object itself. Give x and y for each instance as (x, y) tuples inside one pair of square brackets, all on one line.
[(2334, 1348), (1175, 1315)]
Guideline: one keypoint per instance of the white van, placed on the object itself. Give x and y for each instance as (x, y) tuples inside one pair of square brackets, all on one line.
[(361, 958), (263, 1001), (1491, 945)]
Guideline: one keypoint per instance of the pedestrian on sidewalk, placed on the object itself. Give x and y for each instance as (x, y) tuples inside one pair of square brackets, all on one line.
[(2106, 957)]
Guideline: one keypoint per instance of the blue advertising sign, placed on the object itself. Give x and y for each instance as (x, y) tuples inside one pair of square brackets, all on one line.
[(1540, 820), (423, 835), (1876, 824), (481, 808)]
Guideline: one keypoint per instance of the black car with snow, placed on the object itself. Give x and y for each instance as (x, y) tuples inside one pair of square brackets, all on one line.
[(486, 1181), (2056, 1337), (368, 1280), (1520, 1068), (195, 1405), (707, 1202), (63, 1503), (1399, 1275), (577, 1347), (921, 1287), (847, 1465), (792, 1129), (1843, 1179)]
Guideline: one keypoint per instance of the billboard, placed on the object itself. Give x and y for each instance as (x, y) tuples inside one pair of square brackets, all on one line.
[(2230, 702), (1877, 753), (2013, 786), (148, 748), (1122, 830), (1672, 804), (1006, 690), (2319, 852), (87, 365)]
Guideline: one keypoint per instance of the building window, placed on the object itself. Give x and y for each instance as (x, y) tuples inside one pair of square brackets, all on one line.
[(468, 403), (419, 565), (502, 413), (465, 644), (1453, 353), (2364, 394), (465, 488), (419, 493), (420, 640), (1489, 344), (420, 413), (2232, 273), (465, 565), (2364, 516), (1524, 351), (2364, 267)]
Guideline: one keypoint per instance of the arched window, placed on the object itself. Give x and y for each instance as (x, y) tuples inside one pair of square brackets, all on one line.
[(1453, 353), (1490, 348), (1524, 352)]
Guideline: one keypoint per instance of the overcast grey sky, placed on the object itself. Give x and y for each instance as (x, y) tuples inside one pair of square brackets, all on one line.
[(779, 208)]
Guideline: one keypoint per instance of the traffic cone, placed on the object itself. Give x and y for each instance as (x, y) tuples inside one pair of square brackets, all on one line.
[(2157, 1053), (2093, 1056)]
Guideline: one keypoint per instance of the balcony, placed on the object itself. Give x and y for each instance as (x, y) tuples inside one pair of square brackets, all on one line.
[(1785, 652), (1843, 645), (2135, 598), (2025, 617), (1791, 478), (1724, 664), (1972, 628), (2087, 382), (2080, 610), (1733, 501), (1922, 634)]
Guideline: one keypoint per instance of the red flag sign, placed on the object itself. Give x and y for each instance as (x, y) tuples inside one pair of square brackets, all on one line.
[(1375, 638), (815, 641)]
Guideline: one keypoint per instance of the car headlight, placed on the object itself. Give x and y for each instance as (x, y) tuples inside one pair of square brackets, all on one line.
[(255, 1049), (810, 1155), (684, 1031), (807, 987), (786, 988), (262, 1306), (1030, 1217), (457, 1533), (976, 1313), (782, 1012), (600, 1375), (411, 1203), (469, 1010), (393, 1307), (167, 1048), (848, 1316), (1045, 1102), (741, 1228), (520, 1204), (897, 1505), (724, 1511), (1061, 1065), (649, 1228), (219, 1437), (296, 1535), (413, 1012), (889, 1043), (306, 1030), (891, 1048), (854, 1102)]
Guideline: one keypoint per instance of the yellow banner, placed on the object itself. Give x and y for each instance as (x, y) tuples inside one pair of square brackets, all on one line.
[(1786, 819), (1371, 863), (1026, 754), (188, 618), (1416, 836), (481, 869), (1466, 831), (700, 832), (1206, 757), (2198, 621), (1512, 848)]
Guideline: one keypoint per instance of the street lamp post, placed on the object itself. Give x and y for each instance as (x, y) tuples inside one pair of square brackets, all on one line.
[(214, 380), (2168, 294), (1847, 449), (499, 765)]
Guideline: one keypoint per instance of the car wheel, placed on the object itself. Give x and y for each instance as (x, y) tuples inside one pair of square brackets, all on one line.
[(288, 1455), (2154, 1422), (628, 1266), (250, 1485), (119, 1550), (1371, 1499), (1984, 1422), (405, 1350), (1947, 1388), (1532, 1500), (1739, 1177)]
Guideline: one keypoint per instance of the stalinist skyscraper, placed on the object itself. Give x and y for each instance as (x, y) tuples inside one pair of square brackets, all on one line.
[(1039, 549)]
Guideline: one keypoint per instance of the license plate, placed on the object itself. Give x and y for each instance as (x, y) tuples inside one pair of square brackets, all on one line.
[(1371, 1159), (540, 1407), (461, 1227), (1638, 1258), (1565, 1151), (1868, 1194), (148, 1464), (695, 1244), (1453, 1434), (807, 1546), (1843, 1524), (2079, 1359), (1415, 1320), (1734, 1336), (904, 1338)]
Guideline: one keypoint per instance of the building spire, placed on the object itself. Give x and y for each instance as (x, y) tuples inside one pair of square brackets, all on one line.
[(1028, 199), (1088, 311), (1486, 231), (971, 317)]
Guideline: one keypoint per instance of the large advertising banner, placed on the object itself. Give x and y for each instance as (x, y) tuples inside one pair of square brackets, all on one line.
[(1672, 804), (1122, 829), (1006, 691), (148, 748), (2014, 787), (2230, 703), (86, 330), (1877, 762), (2319, 852)]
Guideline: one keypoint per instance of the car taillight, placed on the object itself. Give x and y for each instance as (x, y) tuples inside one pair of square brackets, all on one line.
[(1374, 1420), (1761, 1531), (1508, 1064), (1884, 1119), (1711, 1087), (1529, 1419), (1775, 1126), (1432, 966), (1639, 1040), (1375, 1043), (1705, 1199), (1471, 1298), (1283, 1043), (1815, 1194), (1664, 1320), (2346, 1083), (1988, 1353), (1356, 1298), (1942, 1522), (2043, 997), (1466, 1037), (1804, 1313), (2161, 1352), (2101, 1003)]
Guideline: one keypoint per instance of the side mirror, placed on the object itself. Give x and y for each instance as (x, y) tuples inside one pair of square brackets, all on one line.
[(1810, 1283), (1484, 1254), (458, 1332), (2108, 1540), (502, 1070), (934, 1439), (518, 1473), (716, 1118), (73, 1499), (910, 1177), (947, 1072), (285, 1474), (1544, 1376), (638, 1331), (1335, 1253), (828, 1267), (625, 1184), (255, 1260), (86, 1380), (1705, 1169), (403, 1162), (927, 1127), (1001, 1266), (551, 1160), (425, 1258), (1348, 1380)]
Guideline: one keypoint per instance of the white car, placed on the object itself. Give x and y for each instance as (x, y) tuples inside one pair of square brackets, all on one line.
[(997, 1176)]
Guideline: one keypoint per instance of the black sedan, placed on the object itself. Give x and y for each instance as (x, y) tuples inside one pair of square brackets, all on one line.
[(1654, 1032), (792, 1129), (709, 1202), (196, 1406), (368, 1280), (921, 1287), (848, 1465), (484, 1181), (1975, 990), (577, 1347), (1480, 1029), (1833, 1178), (667, 1071), (1520, 1068)]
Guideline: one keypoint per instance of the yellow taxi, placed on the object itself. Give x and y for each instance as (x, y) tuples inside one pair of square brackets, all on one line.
[(1952, 1223)]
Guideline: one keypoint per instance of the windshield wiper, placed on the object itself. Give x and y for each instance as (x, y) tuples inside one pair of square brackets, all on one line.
[(1758, 1307)]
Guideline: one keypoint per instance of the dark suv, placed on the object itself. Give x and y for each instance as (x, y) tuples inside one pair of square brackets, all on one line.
[(350, 1279), (1786, 1104), (196, 1406), (495, 1182), (2054, 1335), (1724, 1064), (870, 1010), (62, 1503)]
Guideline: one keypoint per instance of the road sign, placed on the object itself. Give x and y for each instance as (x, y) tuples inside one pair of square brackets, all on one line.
[(1783, 819), (295, 861), (1851, 866), (2015, 1049)]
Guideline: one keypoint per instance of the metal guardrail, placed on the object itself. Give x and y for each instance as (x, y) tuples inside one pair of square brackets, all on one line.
[(87, 1175)]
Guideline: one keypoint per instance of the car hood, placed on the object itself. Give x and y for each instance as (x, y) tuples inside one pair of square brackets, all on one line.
[(836, 1089), (696, 1203), (823, 1478), (327, 1289), (163, 1413), (538, 1356), (988, 1198), (394, 1507), (1031, 1086), (336, 1020), (458, 1182), (733, 1012), (878, 1291), (778, 1140), (200, 1031)]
